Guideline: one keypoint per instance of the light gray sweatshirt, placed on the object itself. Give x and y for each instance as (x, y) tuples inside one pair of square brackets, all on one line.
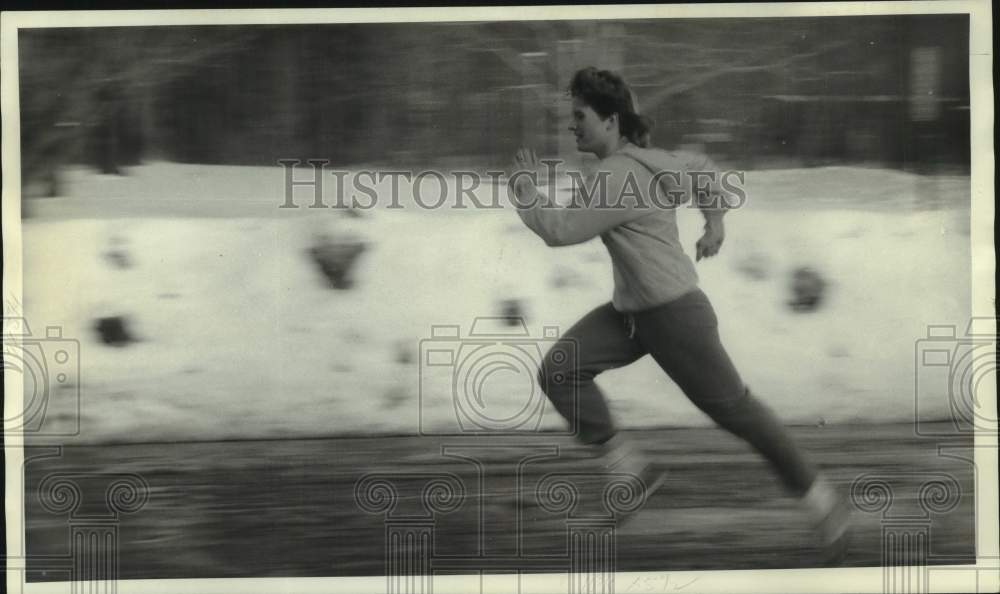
[(635, 215)]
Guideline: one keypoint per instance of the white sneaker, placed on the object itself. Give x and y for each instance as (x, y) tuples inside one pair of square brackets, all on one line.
[(618, 459), (831, 519), (620, 456)]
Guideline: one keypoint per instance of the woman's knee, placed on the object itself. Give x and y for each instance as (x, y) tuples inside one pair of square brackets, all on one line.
[(553, 376), (543, 377), (550, 377), (727, 407)]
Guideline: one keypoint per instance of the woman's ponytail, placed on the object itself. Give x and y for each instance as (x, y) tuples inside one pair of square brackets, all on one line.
[(636, 128)]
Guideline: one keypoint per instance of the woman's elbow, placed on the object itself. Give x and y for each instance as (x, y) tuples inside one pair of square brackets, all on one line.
[(562, 239)]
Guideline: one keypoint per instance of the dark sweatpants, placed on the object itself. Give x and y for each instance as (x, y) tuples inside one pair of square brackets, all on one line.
[(682, 336)]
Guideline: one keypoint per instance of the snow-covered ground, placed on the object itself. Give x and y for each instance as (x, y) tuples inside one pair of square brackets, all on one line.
[(240, 336)]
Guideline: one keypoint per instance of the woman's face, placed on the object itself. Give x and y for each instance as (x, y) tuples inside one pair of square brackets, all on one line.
[(592, 133)]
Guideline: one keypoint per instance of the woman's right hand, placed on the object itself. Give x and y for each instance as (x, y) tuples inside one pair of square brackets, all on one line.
[(524, 160)]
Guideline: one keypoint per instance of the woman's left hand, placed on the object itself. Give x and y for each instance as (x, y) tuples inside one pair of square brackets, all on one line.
[(711, 241)]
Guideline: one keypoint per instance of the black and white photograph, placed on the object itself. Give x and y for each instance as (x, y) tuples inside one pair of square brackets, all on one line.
[(647, 298)]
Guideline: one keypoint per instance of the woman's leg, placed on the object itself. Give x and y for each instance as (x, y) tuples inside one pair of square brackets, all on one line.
[(682, 336), (597, 343)]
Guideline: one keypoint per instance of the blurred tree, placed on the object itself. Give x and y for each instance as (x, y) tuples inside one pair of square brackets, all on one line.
[(421, 94), (89, 94)]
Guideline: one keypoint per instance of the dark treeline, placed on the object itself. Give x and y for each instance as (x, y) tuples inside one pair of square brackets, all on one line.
[(754, 92)]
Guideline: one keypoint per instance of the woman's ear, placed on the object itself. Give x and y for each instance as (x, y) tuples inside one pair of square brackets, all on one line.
[(613, 123)]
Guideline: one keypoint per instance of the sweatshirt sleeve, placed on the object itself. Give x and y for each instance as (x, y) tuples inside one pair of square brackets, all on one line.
[(593, 210), (686, 177), (706, 188)]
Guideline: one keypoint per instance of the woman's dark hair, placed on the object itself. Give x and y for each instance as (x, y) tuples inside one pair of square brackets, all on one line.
[(606, 93)]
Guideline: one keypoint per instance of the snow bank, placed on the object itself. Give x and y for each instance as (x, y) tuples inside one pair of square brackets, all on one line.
[(240, 337)]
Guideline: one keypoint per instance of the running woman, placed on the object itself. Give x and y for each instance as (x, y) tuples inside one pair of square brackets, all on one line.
[(657, 308)]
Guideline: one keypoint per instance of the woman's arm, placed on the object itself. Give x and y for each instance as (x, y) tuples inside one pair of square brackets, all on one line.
[(713, 205), (608, 200)]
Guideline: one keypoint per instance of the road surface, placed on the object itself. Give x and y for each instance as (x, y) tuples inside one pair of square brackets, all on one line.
[(318, 507)]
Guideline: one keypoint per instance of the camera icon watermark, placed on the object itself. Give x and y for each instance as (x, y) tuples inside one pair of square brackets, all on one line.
[(489, 381), (49, 367), (955, 379)]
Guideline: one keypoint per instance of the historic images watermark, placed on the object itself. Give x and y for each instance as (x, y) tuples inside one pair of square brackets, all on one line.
[(465, 189), (415, 507), (906, 530), (47, 366), (456, 373), (958, 364), (93, 505), (954, 401), (494, 450), (954, 368)]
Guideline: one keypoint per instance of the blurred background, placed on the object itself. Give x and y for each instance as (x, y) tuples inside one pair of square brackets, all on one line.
[(153, 234), (755, 93)]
